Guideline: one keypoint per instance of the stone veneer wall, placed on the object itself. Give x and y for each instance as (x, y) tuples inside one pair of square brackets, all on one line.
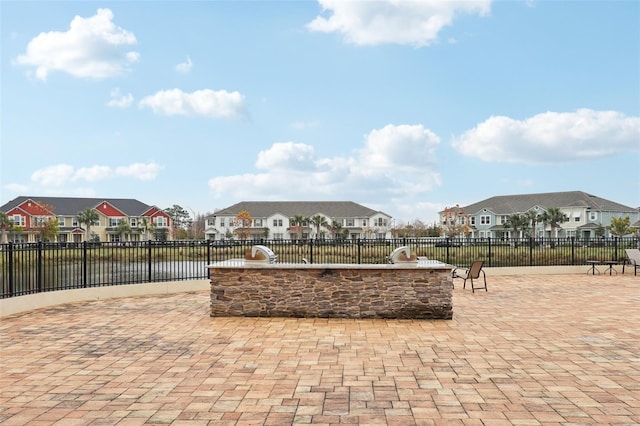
[(416, 293)]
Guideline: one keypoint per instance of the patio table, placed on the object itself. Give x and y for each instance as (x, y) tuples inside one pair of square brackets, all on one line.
[(593, 268)]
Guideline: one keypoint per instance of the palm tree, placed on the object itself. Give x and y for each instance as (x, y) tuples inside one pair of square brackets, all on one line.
[(296, 223), (88, 217), (554, 217), (517, 221), (5, 225), (534, 218), (337, 230), (123, 229), (319, 221), (147, 227)]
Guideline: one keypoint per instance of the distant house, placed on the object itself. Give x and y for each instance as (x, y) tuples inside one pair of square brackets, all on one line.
[(27, 213), (277, 220), (588, 215)]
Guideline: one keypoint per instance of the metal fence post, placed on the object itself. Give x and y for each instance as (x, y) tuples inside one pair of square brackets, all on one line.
[(39, 267), (149, 260), (84, 264), (573, 250), (11, 288), (530, 251), (489, 253), (359, 242), (311, 250)]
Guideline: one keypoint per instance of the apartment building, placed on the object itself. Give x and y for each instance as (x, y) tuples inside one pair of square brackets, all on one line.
[(26, 215), (299, 220), (586, 214)]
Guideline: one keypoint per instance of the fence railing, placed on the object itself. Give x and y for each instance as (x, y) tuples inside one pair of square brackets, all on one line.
[(40, 267)]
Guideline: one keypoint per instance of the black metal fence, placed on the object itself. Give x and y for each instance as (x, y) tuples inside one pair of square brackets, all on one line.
[(40, 267)]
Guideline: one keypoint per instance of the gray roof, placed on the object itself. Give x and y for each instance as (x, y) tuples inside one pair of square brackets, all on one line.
[(332, 209), (509, 204), (64, 206)]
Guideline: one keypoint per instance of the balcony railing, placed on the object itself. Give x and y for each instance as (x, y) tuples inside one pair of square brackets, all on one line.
[(41, 267)]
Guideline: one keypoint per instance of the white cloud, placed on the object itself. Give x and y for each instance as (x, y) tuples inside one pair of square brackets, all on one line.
[(56, 175), (286, 156), (391, 21), (551, 137), (399, 148), (16, 187), (396, 162), (91, 48), (118, 100), (206, 103), (63, 174), (140, 171), (184, 67), (92, 174)]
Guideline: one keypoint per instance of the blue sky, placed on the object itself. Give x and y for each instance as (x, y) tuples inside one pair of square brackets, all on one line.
[(403, 106)]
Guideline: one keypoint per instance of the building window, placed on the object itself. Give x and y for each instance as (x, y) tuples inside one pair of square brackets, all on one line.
[(60, 221), (18, 220), (278, 236), (161, 221), (485, 220), (350, 222), (576, 218), (380, 222), (257, 222), (74, 222), (473, 220), (277, 222), (503, 219), (222, 221), (364, 222), (114, 221), (134, 222), (593, 216)]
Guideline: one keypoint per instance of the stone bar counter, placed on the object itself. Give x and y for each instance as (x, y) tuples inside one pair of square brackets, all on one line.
[(405, 290)]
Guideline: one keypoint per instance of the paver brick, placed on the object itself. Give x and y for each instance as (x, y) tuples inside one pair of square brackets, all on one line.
[(534, 350)]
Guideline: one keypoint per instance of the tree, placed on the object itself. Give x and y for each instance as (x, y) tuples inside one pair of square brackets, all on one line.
[(296, 223), (148, 227), (434, 231), (620, 226), (198, 225), (455, 221), (517, 222), (123, 229), (6, 225), (242, 222), (319, 221), (534, 218), (88, 217), (180, 218), (554, 218), (46, 226), (337, 230)]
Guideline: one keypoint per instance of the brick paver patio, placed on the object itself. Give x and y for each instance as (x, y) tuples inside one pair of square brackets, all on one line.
[(543, 350)]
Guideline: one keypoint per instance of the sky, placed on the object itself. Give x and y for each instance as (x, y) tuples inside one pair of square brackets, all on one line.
[(406, 107)]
